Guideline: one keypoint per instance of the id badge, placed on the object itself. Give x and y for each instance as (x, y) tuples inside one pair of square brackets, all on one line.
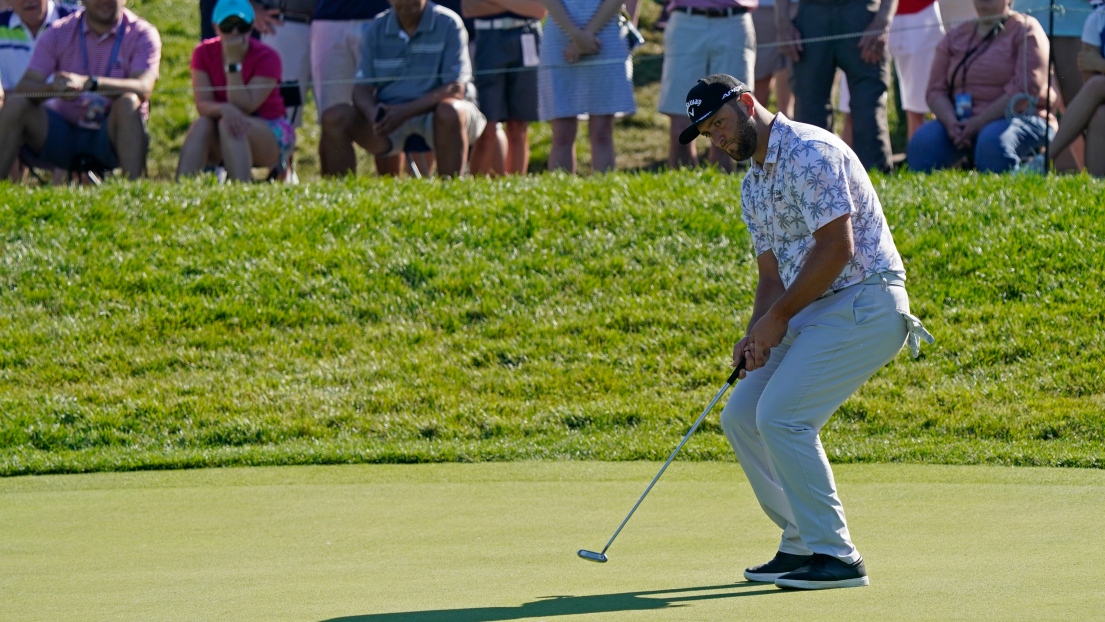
[(93, 111), (529, 50), (963, 106)]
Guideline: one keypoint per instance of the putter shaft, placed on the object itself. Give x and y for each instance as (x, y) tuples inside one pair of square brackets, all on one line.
[(701, 418)]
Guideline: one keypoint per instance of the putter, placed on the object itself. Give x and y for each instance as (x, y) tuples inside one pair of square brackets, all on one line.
[(601, 557)]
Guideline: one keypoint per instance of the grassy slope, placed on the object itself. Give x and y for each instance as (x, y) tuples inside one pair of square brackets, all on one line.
[(153, 325)]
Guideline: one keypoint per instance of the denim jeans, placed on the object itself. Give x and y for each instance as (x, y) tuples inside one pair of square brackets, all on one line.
[(999, 147)]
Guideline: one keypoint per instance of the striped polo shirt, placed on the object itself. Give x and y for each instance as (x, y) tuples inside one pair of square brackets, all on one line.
[(17, 42), (404, 68), (59, 49)]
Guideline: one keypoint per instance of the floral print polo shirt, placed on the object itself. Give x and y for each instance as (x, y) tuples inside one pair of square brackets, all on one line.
[(809, 179)]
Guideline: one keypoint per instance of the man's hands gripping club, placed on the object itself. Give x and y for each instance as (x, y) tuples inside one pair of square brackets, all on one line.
[(776, 303)]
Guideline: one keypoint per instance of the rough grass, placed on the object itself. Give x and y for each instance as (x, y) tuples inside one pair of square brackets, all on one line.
[(150, 325)]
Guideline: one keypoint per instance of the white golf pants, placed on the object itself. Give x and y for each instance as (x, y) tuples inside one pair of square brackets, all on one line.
[(774, 415)]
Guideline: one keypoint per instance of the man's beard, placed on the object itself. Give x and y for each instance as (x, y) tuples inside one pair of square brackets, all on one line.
[(744, 144)]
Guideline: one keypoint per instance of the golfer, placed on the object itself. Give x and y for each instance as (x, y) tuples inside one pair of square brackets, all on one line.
[(830, 310)]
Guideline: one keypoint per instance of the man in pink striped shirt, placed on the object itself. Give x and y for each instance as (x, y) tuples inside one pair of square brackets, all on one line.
[(98, 68)]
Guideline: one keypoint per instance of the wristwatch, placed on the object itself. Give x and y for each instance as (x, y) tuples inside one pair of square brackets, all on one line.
[(234, 67), (92, 84)]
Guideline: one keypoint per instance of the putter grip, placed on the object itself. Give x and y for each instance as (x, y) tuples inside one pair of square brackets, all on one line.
[(736, 372)]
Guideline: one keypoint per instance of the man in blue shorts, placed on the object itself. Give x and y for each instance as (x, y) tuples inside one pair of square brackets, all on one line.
[(508, 37)]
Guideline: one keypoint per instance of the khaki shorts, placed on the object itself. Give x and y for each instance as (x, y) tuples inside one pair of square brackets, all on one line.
[(423, 125), (768, 59), (697, 46), (335, 54)]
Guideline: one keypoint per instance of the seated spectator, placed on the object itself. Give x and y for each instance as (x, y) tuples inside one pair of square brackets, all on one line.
[(337, 38), (101, 63), (1086, 110), (20, 27), (242, 122), (585, 69), (415, 78), (979, 69), (508, 35)]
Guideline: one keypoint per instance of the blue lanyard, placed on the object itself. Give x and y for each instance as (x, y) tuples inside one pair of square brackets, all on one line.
[(114, 51)]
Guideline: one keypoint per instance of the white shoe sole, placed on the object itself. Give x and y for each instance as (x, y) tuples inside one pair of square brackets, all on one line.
[(822, 585), (762, 577)]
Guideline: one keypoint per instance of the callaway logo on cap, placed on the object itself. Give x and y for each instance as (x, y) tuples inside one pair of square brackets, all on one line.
[(706, 98)]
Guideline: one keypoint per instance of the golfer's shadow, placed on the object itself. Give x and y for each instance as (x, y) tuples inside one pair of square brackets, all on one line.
[(552, 606)]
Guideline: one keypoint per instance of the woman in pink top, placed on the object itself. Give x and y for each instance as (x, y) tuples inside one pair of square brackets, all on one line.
[(242, 118), (982, 78)]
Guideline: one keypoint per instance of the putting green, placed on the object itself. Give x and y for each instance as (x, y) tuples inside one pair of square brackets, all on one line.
[(484, 542)]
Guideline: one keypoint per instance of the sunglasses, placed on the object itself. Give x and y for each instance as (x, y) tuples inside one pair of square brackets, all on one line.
[(235, 24)]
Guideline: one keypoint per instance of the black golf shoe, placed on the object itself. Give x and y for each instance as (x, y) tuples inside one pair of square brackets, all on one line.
[(777, 567), (823, 572)]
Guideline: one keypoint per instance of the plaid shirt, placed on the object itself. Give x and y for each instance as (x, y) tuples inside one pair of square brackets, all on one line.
[(809, 179)]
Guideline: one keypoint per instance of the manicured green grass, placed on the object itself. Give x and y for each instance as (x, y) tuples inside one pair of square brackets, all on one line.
[(158, 326), (487, 542)]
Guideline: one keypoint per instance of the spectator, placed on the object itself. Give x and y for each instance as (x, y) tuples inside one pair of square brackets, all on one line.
[(913, 39), (585, 69), (285, 26), (508, 36), (234, 80), (336, 43), (1085, 110), (703, 37), (415, 78), (102, 62), (20, 27), (866, 65), (972, 84), (772, 68), (207, 29), (1064, 34)]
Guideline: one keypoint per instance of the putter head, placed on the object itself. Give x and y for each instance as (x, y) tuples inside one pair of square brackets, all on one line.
[(592, 556)]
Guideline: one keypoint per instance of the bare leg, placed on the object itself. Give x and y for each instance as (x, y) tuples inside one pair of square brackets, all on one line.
[(1095, 144), (241, 153), (562, 153), (335, 146), (600, 129), (1064, 54), (450, 138), (22, 122), (197, 146), (846, 133), (517, 139), (490, 151), (1078, 114), (914, 121), (680, 156), (783, 95), (128, 134)]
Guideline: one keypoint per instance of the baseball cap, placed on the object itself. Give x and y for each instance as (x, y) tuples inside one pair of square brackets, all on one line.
[(707, 97), (232, 8)]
